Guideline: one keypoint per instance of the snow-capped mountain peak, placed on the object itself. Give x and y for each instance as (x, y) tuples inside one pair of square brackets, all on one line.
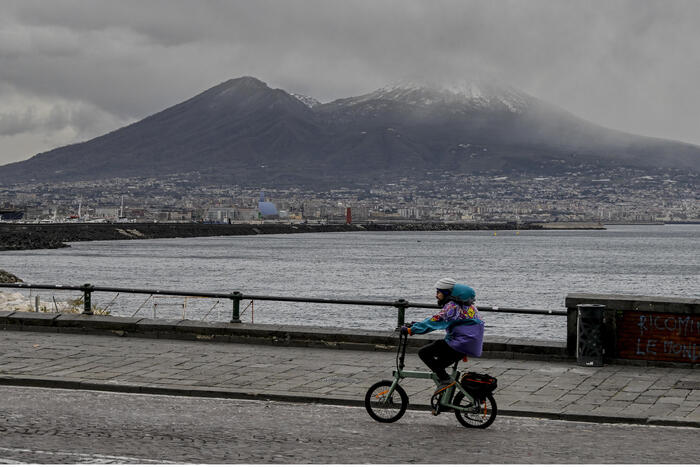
[(310, 102), (475, 94)]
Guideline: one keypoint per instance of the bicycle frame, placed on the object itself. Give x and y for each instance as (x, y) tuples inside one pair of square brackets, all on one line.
[(447, 395)]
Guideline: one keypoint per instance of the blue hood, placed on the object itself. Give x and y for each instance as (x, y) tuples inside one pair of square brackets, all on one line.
[(463, 292)]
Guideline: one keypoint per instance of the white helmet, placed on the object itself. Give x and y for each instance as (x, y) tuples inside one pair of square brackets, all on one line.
[(446, 283)]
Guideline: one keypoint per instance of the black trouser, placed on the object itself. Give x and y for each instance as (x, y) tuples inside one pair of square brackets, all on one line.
[(438, 355)]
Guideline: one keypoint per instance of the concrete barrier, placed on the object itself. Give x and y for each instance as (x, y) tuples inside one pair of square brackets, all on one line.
[(305, 336)]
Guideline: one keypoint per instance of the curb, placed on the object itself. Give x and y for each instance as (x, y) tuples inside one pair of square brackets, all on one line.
[(196, 391)]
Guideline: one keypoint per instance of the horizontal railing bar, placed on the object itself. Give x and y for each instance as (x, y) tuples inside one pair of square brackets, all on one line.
[(94, 288), (524, 311), (497, 309), (241, 296), (323, 300)]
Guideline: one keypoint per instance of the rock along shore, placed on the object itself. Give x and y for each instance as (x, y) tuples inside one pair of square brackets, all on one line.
[(39, 236)]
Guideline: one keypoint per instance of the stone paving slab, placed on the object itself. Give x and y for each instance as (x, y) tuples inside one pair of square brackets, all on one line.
[(553, 389)]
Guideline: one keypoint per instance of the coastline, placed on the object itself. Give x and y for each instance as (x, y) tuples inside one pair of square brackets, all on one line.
[(48, 236)]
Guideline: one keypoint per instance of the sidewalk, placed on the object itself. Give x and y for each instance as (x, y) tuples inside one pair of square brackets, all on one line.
[(552, 389)]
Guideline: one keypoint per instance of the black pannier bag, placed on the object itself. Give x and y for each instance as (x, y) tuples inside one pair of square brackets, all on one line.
[(479, 384)]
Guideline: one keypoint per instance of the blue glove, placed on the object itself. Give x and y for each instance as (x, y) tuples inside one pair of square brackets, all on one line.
[(404, 330)]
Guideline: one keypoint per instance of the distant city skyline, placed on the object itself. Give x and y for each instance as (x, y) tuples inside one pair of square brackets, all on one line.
[(610, 195), (72, 70)]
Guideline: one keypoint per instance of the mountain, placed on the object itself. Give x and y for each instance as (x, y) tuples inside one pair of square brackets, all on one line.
[(244, 132), (483, 127), (238, 125)]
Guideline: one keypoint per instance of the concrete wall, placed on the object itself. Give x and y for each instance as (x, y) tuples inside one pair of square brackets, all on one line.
[(271, 334), (665, 329)]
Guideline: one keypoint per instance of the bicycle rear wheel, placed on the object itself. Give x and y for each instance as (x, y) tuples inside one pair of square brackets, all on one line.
[(480, 416), (382, 407)]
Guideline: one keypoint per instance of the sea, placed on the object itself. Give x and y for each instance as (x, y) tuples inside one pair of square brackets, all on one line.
[(533, 269)]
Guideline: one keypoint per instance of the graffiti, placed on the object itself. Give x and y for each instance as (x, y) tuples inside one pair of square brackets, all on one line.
[(659, 336), (684, 350), (684, 326), (648, 348)]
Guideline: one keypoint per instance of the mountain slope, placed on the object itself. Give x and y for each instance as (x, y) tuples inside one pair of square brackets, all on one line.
[(242, 131), (489, 131), (237, 122)]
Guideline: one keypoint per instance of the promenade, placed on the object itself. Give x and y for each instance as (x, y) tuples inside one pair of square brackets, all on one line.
[(551, 388)]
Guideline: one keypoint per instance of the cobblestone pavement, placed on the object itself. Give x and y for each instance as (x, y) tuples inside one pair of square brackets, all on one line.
[(554, 389), (39, 425)]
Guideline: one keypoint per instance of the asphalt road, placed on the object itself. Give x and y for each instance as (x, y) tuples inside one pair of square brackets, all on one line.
[(40, 425)]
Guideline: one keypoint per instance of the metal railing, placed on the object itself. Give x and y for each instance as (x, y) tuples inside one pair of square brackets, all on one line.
[(236, 297)]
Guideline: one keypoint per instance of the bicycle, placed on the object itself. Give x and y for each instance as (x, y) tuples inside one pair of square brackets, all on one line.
[(475, 407)]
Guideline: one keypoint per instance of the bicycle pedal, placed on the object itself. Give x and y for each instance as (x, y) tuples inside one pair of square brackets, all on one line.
[(435, 404)]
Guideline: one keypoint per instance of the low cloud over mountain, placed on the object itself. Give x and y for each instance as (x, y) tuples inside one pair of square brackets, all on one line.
[(244, 132)]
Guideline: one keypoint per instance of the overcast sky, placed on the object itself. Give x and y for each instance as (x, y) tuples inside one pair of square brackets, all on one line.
[(71, 70)]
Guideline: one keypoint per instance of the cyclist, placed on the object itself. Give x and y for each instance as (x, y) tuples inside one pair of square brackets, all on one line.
[(462, 323)]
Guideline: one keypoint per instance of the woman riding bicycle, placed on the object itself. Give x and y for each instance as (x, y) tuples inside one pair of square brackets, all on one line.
[(462, 323)]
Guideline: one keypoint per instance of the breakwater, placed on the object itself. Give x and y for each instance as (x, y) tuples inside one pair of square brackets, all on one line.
[(40, 236)]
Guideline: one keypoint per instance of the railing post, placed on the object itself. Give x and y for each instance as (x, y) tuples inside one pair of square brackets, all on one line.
[(87, 299), (236, 297), (401, 305)]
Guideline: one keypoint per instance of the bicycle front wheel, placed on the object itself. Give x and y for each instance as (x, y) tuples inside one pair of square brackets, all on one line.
[(385, 407), (480, 415)]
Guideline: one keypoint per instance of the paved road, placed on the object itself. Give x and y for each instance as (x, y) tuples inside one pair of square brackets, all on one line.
[(74, 426), (557, 389)]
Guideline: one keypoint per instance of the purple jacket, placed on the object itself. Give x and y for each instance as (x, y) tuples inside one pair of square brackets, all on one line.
[(463, 325)]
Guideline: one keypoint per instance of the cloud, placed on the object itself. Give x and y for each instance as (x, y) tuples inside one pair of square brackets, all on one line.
[(31, 124), (25, 114), (628, 64)]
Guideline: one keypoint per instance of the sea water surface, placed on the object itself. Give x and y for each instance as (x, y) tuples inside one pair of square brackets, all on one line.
[(526, 269)]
